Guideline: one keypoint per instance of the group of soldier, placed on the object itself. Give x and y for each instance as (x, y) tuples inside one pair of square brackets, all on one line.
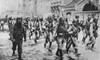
[(54, 28)]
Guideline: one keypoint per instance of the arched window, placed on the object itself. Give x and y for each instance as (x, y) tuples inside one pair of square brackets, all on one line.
[(89, 7)]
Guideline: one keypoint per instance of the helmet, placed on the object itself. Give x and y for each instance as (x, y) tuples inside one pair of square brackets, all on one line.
[(19, 20), (10, 18), (76, 16)]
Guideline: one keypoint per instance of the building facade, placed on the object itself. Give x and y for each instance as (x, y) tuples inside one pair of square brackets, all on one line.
[(76, 6), (43, 7)]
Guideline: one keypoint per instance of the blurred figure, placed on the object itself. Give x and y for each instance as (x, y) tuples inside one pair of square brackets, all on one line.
[(86, 29), (2, 25), (10, 25), (72, 35), (18, 35), (60, 37), (49, 33), (93, 33)]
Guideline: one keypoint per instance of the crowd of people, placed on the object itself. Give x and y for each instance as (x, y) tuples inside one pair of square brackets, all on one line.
[(54, 28)]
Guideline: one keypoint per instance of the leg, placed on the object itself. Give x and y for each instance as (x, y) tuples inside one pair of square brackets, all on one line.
[(50, 40), (68, 44), (35, 36), (84, 38), (93, 43), (90, 42), (30, 35), (59, 50), (14, 47), (46, 41), (20, 50), (75, 47)]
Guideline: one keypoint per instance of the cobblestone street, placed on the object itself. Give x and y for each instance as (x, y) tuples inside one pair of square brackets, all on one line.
[(32, 51)]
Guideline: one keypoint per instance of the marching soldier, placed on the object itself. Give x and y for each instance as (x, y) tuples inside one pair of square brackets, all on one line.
[(86, 30), (95, 26), (72, 35), (37, 29), (76, 25), (49, 36), (10, 25), (60, 36), (18, 35), (93, 33)]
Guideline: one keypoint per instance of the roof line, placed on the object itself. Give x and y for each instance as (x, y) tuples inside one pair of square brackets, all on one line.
[(80, 2), (69, 3)]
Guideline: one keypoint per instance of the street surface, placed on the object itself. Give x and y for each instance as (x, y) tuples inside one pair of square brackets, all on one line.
[(32, 51)]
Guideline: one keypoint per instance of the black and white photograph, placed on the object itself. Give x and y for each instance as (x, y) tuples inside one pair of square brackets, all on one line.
[(49, 29)]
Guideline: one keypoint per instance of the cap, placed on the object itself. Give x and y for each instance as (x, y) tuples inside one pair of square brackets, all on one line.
[(19, 19), (10, 18), (76, 16)]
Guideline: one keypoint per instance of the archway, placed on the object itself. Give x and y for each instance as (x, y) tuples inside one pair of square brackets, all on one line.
[(89, 7)]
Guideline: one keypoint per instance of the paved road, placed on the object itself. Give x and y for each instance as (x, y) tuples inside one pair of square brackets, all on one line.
[(32, 51)]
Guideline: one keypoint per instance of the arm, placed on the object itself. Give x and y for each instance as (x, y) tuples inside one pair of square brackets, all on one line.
[(24, 34), (14, 32)]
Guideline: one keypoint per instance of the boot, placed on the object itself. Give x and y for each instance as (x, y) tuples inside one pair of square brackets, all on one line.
[(35, 40), (50, 44), (83, 40), (19, 57), (67, 50), (50, 50), (13, 53), (92, 47), (57, 53), (61, 53), (44, 45), (76, 53)]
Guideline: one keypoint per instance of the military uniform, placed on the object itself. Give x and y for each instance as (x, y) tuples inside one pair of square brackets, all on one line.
[(18, 35), (10, 25), (72, 31), (93, 33), (49, 33), (60, 36), (76, 25), (37, 29), (86, 30)]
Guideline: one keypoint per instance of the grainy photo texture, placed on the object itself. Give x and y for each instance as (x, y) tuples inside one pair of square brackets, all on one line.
[(49, 29)]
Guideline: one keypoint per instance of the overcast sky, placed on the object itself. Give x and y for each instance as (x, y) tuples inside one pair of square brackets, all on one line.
[(8, 5)]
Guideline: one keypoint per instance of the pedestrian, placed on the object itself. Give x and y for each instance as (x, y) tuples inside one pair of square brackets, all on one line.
[(60, 37), (72, 31), (10, 25), (49, 33), (18, 35)]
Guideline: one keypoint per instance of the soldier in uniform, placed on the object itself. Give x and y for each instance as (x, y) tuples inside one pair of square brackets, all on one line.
[(76, 25), (95, 20), (18, 35), (86, 30), (49, 36), (32, 29), (60, 37), (93, 33), (71, 35), (36, 29), (10, 25)]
